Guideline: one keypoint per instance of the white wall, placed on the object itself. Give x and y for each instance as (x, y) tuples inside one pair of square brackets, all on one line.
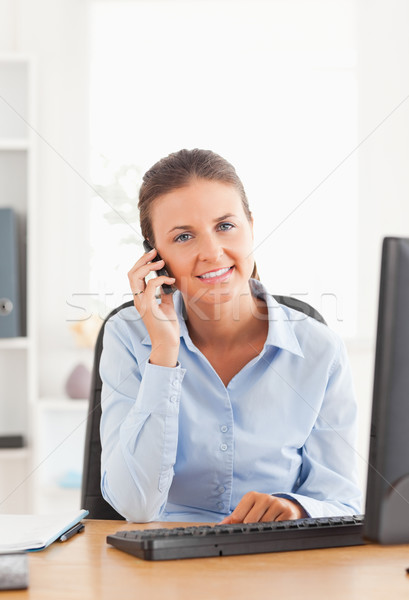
[(55, 32), (383, 58), (383, 52)]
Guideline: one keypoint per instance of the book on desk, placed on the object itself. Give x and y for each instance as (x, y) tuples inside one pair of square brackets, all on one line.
[(30, 533)]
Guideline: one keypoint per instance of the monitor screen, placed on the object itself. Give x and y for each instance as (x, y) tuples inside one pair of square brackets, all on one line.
[(387, 500)]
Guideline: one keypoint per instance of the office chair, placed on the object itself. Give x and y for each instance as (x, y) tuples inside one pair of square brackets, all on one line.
[(91, 497)]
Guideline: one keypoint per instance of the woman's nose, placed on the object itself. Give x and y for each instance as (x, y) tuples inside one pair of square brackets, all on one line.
[(210, 249)]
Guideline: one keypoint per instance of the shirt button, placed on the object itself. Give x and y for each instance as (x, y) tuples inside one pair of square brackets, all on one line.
[(220, 505), (173, 398), (223, 447), (221, 489), (224, 428), (175, 383)]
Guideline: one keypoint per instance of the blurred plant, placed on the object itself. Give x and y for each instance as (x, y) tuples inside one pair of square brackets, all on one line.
[(115, 239), (119, 189)]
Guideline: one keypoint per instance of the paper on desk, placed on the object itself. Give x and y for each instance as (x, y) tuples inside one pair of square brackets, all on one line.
[(35, 532)]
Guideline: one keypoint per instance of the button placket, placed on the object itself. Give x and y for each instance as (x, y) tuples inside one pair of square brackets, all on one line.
[(222, 490)]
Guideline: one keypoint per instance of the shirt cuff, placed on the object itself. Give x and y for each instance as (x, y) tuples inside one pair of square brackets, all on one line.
[(318, 508), (160, 389)]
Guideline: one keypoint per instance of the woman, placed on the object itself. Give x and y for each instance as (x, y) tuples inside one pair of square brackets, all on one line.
[(218, 403)]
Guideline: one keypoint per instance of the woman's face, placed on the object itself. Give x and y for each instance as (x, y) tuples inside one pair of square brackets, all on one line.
[(203, 235)]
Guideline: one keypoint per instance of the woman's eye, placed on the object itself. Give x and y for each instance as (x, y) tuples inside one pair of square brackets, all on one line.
[(183, 237), (226, 226)]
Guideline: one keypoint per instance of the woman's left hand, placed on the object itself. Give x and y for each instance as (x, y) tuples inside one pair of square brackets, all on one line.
[(255, 507)]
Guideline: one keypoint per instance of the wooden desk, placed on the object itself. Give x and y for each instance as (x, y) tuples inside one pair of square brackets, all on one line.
[(85, 567)]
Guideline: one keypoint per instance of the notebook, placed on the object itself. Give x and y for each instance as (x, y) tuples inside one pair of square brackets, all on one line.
[(35, 532)]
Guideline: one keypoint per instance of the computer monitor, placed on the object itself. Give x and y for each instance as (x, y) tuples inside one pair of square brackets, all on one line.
[(387, 500)]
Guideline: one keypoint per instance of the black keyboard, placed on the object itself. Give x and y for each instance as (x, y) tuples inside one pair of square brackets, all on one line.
[(250, 538)]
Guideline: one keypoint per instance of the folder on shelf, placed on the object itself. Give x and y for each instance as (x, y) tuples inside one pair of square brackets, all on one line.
[(9, 275), (19, 533)]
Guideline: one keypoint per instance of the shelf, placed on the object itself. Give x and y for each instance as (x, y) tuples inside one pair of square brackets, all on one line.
[(14, 144), (14, 453), (17, 343), (13, 58)]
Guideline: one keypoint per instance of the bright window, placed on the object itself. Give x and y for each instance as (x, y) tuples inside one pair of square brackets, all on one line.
[(265, 85)]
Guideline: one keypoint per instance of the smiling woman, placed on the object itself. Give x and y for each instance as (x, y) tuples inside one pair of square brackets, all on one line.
[(218, 403)]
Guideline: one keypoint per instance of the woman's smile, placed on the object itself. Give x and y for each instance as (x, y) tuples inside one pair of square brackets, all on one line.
[(216, 276)]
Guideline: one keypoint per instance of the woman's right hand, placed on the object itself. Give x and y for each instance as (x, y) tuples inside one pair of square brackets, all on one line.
[(160, 318)]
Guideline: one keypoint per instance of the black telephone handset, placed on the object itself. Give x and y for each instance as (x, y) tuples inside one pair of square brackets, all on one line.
[(167, 289)]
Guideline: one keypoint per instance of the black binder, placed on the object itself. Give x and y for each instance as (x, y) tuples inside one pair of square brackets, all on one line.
[(10, 325)]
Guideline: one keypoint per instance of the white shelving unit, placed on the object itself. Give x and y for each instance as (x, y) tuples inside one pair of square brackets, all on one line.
[(18, 343), (45, 474), (17, 355)]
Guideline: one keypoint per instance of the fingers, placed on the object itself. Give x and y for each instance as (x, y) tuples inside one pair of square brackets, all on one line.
[(145, 258), (141, 269), (291, 510), (141, 262), (153, 284), (149, 293), (256, 507), (244, 509), (160, 318)]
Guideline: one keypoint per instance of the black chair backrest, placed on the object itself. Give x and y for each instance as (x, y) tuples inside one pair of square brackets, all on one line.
[(91, 497)]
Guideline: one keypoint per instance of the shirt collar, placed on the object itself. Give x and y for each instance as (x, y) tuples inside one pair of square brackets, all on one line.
[(280, 330)]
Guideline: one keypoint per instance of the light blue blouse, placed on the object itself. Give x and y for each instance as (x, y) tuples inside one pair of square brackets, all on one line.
[(178, 445)]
